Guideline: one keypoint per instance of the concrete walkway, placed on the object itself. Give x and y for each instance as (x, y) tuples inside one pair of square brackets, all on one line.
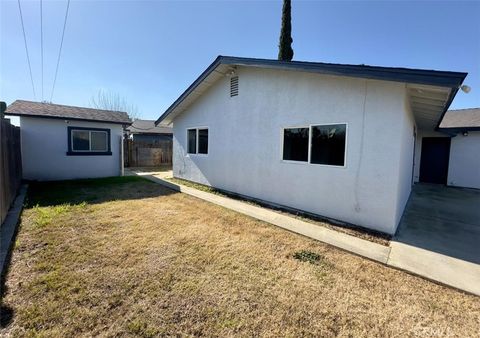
[(408, 251)]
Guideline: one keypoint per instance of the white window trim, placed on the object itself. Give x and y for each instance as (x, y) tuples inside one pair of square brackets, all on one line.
[(309, 126), (196, 153), (282, 131), (89, 140)]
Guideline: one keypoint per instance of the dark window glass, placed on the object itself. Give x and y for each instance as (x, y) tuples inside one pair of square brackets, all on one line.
[(328, 144), (80, 140), (192, 141), (295, 144), (203, 141)]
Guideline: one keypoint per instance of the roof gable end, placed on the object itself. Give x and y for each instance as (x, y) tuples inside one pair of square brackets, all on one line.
[(221, 64)]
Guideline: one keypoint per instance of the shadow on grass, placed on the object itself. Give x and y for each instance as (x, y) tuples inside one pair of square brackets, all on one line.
[(74, 192), (6, 312), (6, 316), (92, 191)]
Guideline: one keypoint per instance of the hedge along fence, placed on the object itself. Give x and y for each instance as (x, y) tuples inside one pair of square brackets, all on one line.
[(10, 162)]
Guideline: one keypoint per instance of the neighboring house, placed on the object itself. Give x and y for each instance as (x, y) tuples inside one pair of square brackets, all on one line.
[(333, 140), (146, 130), (64, 142), (148, 145), (464, 160)]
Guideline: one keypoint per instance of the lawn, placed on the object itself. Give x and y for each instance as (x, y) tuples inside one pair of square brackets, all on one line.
[(127, 257), (364, 233)]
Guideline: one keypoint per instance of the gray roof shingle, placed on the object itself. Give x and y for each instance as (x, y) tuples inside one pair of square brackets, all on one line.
[(461, 119), (50, 110), (148, 127)]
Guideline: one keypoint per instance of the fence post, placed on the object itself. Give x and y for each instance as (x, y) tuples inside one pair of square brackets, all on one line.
[(3, 200)]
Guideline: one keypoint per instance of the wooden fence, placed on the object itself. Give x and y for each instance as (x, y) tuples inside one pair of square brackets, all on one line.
[(10, 163), (147, 153)]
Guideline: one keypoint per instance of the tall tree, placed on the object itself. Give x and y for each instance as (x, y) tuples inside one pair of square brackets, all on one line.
[(285, 51), (113, 101)]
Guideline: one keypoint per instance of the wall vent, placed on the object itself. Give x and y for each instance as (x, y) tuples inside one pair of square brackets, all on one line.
[(234, 86)]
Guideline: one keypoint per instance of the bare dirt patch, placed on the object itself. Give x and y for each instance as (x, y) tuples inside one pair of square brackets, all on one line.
[(126, 257)]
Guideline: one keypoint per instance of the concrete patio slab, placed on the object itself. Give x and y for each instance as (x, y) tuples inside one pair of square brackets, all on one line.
[(439, 236)]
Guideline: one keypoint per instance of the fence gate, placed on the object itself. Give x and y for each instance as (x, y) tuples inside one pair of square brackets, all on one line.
[(147, 153)]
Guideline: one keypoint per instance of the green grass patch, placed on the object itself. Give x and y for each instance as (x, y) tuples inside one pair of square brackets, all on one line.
[(308, 256), (141, 328), (45, 215)]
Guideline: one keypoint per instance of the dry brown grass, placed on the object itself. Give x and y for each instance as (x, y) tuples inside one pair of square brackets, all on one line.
[(139, 260), (349, 229)]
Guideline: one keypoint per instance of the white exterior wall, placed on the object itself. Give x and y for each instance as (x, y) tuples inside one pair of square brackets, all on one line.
[(245, 142), (45, 144), (464, 165), (405, 169)]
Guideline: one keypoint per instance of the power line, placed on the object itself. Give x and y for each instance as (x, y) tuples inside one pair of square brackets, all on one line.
[(60, 50), (26, 50), (41, 39)]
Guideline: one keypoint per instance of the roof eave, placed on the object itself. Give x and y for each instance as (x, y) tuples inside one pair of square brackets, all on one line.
[(453, 92), (458, 129), (195, 83), (149, 133), (417, 76), (66, 118), (425, 77)]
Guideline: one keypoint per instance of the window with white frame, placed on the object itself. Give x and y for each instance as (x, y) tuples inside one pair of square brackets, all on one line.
[(295, 144), (88, 141), (192, 141), (316, 144), (328, 144), (197, 141)]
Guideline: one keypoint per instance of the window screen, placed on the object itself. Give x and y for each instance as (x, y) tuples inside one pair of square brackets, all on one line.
[(203, 141), (295, 144), (328, 144), (80, 140), (192, 141), (98, 141)]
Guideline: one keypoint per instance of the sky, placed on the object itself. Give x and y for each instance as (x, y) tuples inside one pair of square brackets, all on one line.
[(149, 52)]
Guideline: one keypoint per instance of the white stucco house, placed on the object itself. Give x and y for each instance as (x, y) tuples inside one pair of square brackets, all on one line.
[(340, 141), (147, 131), (61, 142), (463, 128)]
